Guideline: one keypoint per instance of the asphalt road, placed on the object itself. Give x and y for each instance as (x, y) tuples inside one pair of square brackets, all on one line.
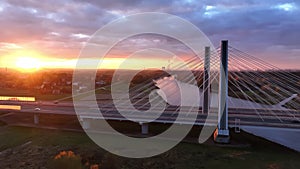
[(274, 118)]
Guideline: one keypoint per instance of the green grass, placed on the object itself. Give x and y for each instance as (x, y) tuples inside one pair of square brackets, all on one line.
[(11, 137), (261, 154), (14, 92), (38, 96), (2, 123)]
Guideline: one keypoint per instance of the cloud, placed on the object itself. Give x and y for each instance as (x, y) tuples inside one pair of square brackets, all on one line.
[(65, 25)]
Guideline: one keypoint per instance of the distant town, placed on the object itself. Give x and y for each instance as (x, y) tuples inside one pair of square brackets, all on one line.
[(59, 81)]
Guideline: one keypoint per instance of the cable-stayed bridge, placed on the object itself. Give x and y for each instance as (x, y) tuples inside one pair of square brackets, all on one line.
[(224, 88)]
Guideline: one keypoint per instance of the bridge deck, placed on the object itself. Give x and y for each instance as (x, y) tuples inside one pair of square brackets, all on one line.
[(274, 118)]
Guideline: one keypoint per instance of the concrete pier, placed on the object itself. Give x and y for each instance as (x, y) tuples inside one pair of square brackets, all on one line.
[(86, 124), (36, 119), (144, 128)]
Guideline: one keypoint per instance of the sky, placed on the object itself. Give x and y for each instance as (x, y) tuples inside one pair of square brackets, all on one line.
[(52, 33)]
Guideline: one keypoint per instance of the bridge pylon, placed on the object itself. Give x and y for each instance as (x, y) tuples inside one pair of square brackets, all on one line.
[(221, 134), (206, 82)]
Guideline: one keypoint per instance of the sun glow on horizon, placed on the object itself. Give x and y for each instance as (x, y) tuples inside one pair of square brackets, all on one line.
[(30, 60), (28, 64)]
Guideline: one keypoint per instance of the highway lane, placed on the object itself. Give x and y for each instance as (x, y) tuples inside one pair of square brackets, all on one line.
[(246, 117)]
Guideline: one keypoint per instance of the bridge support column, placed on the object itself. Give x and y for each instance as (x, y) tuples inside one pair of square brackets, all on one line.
[(221, 134), (206, 82), (36, 118), (86, 124), (144, 128)]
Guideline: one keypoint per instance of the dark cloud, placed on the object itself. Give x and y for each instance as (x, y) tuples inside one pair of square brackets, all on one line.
[(253, 25)]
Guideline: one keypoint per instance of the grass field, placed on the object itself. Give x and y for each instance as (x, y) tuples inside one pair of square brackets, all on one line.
[(38, 96), (14, 92), (45, 144)]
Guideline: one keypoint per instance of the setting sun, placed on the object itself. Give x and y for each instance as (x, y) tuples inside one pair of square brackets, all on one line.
[(28, 64)]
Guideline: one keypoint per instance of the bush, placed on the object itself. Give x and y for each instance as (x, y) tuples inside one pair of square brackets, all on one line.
[(109, 161), (65, 160)]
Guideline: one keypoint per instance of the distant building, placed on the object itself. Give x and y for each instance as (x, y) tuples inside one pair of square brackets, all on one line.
[(56, 91)]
